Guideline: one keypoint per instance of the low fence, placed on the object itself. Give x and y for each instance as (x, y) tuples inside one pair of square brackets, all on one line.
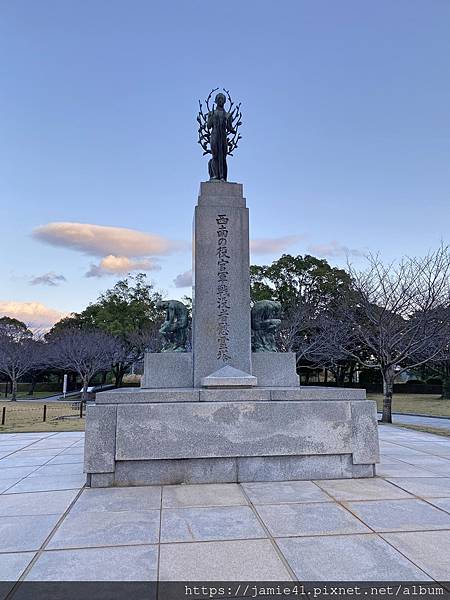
[(15, 414)]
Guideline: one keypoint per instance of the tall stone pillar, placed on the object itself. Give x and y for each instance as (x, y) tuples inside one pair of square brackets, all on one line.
[(221, 281)]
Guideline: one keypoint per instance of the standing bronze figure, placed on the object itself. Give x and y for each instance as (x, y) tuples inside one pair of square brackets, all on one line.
[(218, 132)]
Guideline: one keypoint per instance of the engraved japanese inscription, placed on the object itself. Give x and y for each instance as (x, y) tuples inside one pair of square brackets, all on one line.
[(223, 289)]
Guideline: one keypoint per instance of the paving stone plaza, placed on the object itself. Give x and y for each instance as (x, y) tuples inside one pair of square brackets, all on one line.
[(392, 527)]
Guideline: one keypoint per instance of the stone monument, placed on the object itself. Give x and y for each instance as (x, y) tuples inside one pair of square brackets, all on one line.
[(232, 409)]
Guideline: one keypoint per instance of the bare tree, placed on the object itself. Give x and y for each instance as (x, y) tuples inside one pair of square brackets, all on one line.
[(317, 338), (399, 313), (441, 368), (19, 352), (85, 351)]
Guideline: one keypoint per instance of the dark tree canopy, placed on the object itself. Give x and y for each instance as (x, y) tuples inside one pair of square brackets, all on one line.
[(294, 280)]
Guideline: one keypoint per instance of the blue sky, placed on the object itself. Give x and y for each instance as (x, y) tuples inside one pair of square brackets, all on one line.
[(346, 135)]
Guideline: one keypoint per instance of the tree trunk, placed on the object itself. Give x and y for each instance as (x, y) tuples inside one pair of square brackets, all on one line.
[(119, 372), (13, 389), (341, 376), (388, 387), (32, 385), (119, 377), (351, 373), (325, 376), (445, 388), (85, 387)]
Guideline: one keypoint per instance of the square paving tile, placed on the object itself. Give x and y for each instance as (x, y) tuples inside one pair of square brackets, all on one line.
[(247, 560), (212, 523), (361, 489), (51, 444), (436, 465), (309, 519), (442, 503), (9, 449), (427, 461), (25, 533), (5, 484), (13, 565), (426, 446), (215, 494), (400, 515), (438, 487), (118, 499), (400, 469), (42, 484), (30, 451), (281, 492), (85, 530), (430, 550), (64, 459), (15, 472), (73, 451), (23, 459), (36, 503), (57, 470), (124, 563), (347, 558), (401, 452)]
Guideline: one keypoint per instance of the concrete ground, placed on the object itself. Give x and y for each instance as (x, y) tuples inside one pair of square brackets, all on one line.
[(395, 527), (438, 422)]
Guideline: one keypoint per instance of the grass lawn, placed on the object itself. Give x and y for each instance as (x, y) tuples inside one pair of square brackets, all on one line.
[(28, 416), (425, 404)]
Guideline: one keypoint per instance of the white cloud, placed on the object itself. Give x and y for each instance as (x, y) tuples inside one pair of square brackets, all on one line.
[(51, 279), (100, 240), (334, 249), (183, 279), (35, 314), (120, 265), (273, 245)]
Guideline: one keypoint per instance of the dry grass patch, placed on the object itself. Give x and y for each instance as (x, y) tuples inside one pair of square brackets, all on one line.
[(425, 404), (28, 416)]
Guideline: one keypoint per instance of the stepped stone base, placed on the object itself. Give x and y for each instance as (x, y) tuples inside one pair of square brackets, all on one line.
[(155, 436), (162, 367), (275, 369), (271, 369)]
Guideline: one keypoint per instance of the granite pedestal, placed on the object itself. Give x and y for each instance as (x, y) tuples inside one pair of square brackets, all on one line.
[(149, 437), (221, 414), (221, 281)]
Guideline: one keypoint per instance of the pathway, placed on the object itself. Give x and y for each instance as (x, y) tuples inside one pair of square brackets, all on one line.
[(395, 527)]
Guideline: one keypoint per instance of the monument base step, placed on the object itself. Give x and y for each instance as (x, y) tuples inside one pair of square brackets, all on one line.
[(168, 370), (241, 469), (212, 436)]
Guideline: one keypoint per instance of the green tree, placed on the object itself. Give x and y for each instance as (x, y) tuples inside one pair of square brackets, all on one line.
[(294, 280), (308, 289)]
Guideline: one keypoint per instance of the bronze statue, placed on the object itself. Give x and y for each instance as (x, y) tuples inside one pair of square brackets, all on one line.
[(214, 132), (265, 320), (175, 327)]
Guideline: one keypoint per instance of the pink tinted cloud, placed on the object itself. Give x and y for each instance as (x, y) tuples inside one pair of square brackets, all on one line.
[(101, 240), (120, 265)]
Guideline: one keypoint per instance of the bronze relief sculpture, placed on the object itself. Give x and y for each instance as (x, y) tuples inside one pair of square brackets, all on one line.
[(174, 330), (265, 321)]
